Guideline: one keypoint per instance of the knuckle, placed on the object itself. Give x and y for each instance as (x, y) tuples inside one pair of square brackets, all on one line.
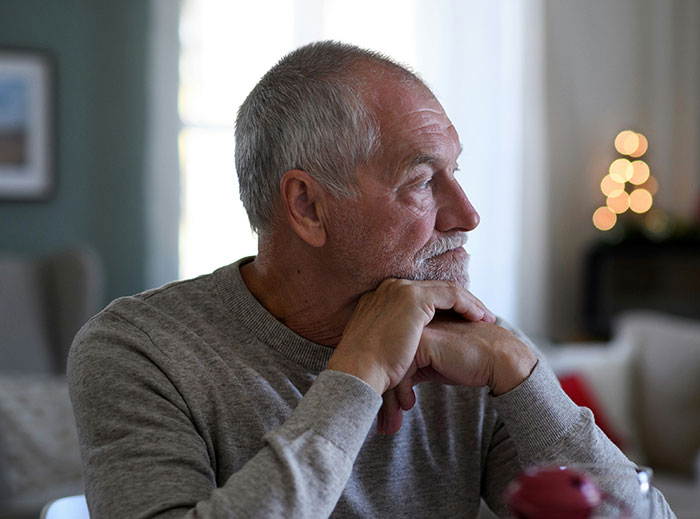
[(398, 282), (409, 290), (454, 285), (387, 284)]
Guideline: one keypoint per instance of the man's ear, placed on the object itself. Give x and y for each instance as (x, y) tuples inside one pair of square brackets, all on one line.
[(302, 198)]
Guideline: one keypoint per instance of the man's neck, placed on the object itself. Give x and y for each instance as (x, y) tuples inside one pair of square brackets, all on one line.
[(304, 300)]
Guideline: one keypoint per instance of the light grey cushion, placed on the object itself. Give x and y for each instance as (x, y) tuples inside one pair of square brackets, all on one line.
[(38, 440), (666, 378), (607, 369)]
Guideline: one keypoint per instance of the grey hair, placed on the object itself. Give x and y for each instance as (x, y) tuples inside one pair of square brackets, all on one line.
[(308, 113)]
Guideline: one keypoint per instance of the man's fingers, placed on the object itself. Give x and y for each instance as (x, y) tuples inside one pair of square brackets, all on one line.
[(471, 308), (390, 414), (434, 295), (404, 389), (447, 295)]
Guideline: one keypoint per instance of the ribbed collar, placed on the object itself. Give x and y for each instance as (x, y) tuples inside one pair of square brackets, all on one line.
[(262, 324)]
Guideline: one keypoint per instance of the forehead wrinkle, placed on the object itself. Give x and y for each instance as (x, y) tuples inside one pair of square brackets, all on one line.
[(413, 129), (421, 121)]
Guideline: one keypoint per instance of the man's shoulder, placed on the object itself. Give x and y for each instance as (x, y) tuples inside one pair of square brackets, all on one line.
[(173, 310), (173, 300), (180, 328), (175, 291)]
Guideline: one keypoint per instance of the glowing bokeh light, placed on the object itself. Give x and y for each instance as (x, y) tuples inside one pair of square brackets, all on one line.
[(620, 140), (621, 170), (618, 204), (651, 185), (611, 187), (641, 148), (640, 172), (604, 219), (640, 201), (626, 142), (637, 173)]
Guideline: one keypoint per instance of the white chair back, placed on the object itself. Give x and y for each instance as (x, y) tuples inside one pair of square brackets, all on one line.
[(72, 507)]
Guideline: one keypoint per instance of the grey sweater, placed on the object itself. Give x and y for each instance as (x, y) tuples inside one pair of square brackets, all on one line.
[(193, 401)]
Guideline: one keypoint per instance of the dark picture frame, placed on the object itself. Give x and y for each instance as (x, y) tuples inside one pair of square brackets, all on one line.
[(26, 125)]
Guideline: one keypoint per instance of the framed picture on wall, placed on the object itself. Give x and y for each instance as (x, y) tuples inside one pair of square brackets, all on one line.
[(26, 126)]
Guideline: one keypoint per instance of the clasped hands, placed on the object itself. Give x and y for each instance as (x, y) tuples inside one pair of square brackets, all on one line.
[(398, 337)]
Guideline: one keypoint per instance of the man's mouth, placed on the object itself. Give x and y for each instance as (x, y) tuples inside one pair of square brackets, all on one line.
[(457, 251), (452, 243)]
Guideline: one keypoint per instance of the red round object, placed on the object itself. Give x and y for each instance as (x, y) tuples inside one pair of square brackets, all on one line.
[(551, 493)]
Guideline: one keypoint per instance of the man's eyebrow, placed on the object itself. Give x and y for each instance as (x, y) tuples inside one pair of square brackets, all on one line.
[(419, 160), (423, 158)]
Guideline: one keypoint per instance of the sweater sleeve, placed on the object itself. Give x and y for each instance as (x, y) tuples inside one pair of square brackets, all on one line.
[(540, 425), (143, 456)]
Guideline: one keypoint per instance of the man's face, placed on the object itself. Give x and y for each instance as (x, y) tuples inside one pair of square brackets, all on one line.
[(411, 218)]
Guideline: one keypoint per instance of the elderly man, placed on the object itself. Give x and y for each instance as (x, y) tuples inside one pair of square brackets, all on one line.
[(252, 392)]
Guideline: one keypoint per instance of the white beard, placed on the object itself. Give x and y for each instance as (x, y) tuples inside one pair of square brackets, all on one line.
[(431, 265)]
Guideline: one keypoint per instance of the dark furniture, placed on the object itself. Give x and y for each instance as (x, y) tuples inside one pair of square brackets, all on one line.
[(640, 274)]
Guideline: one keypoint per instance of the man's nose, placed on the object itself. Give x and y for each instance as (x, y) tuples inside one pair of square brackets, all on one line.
[(455, 212)]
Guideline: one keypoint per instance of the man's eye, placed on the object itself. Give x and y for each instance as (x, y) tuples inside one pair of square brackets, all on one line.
[(425, 184)]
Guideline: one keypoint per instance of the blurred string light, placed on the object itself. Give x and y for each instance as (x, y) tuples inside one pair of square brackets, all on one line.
[(631, 143), (618, 204), (629, 186), (604, 218), (640, 172), (611, 187), (640, 201), (621, 170)]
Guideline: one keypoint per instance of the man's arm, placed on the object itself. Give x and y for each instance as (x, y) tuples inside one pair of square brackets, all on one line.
[(144, 456), (541, 425)]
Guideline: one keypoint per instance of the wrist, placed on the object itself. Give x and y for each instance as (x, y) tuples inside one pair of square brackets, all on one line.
[(514, 371), (365, 371)]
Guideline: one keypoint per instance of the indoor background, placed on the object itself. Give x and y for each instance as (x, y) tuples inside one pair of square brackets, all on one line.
[(144, 95)]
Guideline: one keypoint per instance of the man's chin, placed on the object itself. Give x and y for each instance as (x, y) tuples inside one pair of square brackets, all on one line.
[(445, 271), (461, 277)]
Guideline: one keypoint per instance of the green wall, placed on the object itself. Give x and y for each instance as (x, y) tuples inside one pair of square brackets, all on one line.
[(99, 50)]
